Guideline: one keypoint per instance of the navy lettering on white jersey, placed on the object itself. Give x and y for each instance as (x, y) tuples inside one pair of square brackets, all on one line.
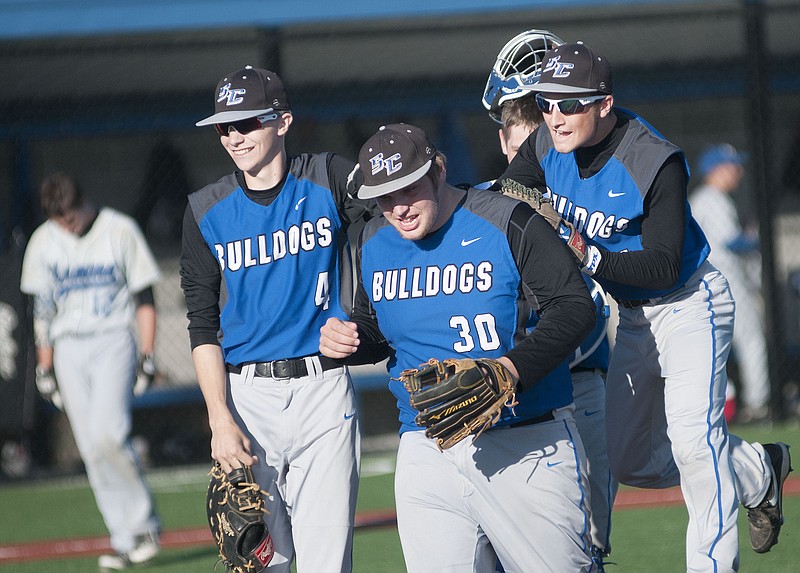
[(67, 279)]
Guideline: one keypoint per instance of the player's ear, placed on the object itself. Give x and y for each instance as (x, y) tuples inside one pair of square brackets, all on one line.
[(503, 144), (285, 121), (606, 105)]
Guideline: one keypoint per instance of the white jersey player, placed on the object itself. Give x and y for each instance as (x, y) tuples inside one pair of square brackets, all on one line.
[(90, 273)]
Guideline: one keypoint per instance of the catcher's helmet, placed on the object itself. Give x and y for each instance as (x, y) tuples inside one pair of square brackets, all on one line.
[(518, 64)]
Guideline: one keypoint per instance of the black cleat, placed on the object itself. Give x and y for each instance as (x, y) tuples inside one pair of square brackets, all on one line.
[(767, 517)]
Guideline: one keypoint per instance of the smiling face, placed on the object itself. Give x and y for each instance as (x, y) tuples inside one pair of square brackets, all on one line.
[(254, 152), (416, 211), (583, 129)]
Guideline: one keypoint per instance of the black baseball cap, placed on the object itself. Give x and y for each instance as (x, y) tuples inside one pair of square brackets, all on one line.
[(247, 93), (397, 155), (574, 68)]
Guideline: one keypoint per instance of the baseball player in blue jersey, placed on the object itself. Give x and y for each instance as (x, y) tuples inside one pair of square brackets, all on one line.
[(452, 273), (518, 64), (91, 274), (273, 233), (622, 187)]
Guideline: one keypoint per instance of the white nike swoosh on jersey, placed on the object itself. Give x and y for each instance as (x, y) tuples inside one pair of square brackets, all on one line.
[(296, 207), (612, 194), (465, 242)]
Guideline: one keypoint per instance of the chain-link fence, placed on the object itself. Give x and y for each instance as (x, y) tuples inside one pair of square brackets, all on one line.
[(118, 113)]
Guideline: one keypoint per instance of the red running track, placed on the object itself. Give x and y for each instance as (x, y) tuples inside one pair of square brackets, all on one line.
[(67, 548)]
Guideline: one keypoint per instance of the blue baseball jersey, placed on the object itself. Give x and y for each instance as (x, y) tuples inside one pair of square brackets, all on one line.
[(279, 262), (608, 207), (454, 294)]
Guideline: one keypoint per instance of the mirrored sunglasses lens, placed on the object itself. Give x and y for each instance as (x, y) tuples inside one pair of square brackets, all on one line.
[(565, 106), (570, 106), (544, 105), (243, 126)]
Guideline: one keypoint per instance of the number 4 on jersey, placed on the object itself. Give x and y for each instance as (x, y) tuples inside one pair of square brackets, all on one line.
[(322, 293)]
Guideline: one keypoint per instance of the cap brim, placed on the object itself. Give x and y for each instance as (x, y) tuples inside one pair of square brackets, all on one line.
[(229, 116), (372, 191), (558, 89)]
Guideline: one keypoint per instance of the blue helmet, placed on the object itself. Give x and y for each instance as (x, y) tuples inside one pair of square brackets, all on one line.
[(519, 64)]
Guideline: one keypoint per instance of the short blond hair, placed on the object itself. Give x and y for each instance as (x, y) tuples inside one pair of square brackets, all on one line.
[(521, 111)]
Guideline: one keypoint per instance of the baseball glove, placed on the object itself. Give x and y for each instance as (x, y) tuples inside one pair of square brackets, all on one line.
[(235, 508), (457, 397), (145, 374), (47, 385), (544, 206)]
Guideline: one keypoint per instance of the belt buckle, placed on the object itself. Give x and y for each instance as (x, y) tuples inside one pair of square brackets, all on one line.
[(288, 368)]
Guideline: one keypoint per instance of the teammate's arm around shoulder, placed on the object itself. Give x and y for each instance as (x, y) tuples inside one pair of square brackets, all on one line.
[(346, 178)]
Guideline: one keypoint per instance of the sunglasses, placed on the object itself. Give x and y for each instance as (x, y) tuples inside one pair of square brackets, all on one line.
[(567, 106), (245, 126)]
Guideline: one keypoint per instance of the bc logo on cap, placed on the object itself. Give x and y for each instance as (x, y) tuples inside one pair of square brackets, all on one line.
[(559, 70), (391, 164), (234, 96)]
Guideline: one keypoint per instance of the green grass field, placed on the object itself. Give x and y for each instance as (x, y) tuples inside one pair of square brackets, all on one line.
[(644, 540)]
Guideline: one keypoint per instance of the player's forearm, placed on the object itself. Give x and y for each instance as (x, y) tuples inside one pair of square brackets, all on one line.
[(209, 367), (146, 323), (44, 311)]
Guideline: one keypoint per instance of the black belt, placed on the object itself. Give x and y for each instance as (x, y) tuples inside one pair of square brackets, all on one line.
[(282, 369), (546, 417), (583, 369)]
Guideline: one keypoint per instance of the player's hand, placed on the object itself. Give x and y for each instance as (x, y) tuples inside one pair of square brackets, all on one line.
[(338, 339), (230, 446), (47, 386), (145, 374)]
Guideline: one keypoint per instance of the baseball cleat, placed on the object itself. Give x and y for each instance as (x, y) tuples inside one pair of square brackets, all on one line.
[(146, 548), (767, 517), (597, 560)]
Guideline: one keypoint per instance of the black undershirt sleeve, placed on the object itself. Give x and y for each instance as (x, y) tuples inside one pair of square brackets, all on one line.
[(373, 346), (554, 288), (658, 264), (144, 296), (345, 181), (200, 281)]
